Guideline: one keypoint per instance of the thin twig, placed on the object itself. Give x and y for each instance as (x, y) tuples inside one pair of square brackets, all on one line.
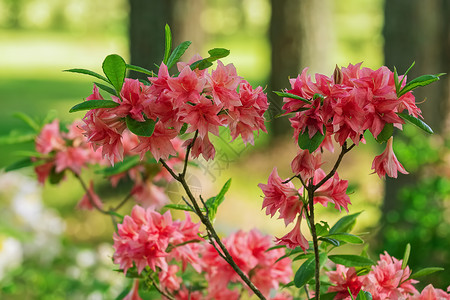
[(160, 290), (122, 202), (169, 169), (91, 200), (188, 151), (290, 179)]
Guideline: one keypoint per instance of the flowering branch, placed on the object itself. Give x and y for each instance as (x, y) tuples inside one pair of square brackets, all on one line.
[(213, 236)]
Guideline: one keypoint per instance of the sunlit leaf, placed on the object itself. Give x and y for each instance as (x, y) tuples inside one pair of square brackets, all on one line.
[(311, 144), (93, 104), (351, 260), (292, 96), (177, 53), (416, 121), (88, 72), (406, 256), (424, 272), (386, 133), (345, 224), (168, 44), (145, 128), (419, 81), (115, 68)]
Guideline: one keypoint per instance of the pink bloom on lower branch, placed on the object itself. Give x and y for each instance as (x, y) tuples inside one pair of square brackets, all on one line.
[(133, 294), (50, 138), (294, 238), (169, 280), (387, 163), (388, 280), (281, 197), (90, 200), (306, 163), (333, 190), (343, 279), (431, 293), (150, 195)]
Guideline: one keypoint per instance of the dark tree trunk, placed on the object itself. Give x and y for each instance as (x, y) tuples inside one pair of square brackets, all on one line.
[(297, 40), (419, 31), (146, 29)]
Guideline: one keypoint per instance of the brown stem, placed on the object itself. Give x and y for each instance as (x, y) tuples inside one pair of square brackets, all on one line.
[(311, 188), (214, 237), (85, 188), (168, 296)]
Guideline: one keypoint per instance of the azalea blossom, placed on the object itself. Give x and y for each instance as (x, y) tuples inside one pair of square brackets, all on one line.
[(343, 279), (387, 163)]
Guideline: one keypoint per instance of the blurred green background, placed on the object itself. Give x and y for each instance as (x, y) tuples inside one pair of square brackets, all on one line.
[(40, 38)]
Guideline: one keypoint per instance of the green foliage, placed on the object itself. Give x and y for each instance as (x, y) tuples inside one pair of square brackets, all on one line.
[(93, 104), (213, 203), (351, 260), (311, 144), (386, 133), (306, 271), (292, 96), (416, 121), (145, 128), (177, 53), (115, 69)]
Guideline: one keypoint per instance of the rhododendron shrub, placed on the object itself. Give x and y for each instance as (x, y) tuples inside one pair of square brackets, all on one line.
[(147, 131)]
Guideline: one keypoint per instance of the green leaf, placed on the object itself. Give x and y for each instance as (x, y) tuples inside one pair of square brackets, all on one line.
[(419, 81), (201, 64), (292, 96), (178, 207), (88, 72), (177, 53), (386, 133), (331, 241), (404, 76), (106, 88), (121, 166), (183, 128), (27, 120), (15, 137), (55, 178), (424, 272), (328, 296), (213, 203), (322, 229), (345, 224), (145, 128), (397, 86), (363, 295), (23, 163), (311, 144), (50, 117), (351, 260), (217, 53), (406, 256), (416, 121), (303, 256), (345, 237), (140, 70), (115, 69), (306, 271), (93, 104), (168, 44)]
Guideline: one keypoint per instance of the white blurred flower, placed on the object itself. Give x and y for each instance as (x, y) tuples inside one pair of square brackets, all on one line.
[(10, 254)]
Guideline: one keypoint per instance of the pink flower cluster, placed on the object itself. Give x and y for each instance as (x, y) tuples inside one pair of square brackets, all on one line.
[(62, 150), (147, 239), (285, 199), (354, 100), (70, 150), (386, 280), (194, 98)]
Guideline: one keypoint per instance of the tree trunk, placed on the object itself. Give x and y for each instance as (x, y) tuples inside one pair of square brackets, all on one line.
[(419, 31), (297, 40)]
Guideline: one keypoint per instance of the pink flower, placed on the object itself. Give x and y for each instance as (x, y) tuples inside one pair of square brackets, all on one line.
[(168, 279), (223, 83), (159, 144), (149, 195), (343, 279), (387, 163), (133, 294), (43, 171), (294, 238), (134, 96), (333, 190), (305, 164), (186, 87), (249, 251), (73, 158), (50, 139), (142, 239), (281, 197), (431, 293), (90, 200), (202, 116), (185, 294), (201, 146), (388, 280)]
